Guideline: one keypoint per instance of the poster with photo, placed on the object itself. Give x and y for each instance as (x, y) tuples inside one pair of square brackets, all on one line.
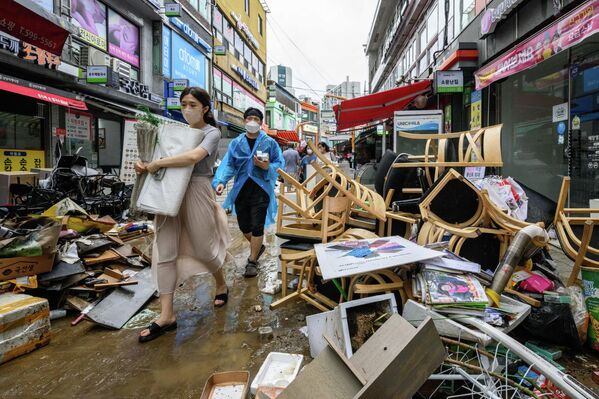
[(78, 125), (90, 17), (348, 258), (123, 38)]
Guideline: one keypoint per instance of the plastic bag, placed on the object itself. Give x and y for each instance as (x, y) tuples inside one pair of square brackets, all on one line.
[(579, 311), (536, 283), (507, 194)]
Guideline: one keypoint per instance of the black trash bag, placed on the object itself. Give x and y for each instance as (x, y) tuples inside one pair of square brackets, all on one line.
[(551, 323)]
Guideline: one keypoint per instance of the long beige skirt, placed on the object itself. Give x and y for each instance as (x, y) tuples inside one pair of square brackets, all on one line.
[(193, 242)]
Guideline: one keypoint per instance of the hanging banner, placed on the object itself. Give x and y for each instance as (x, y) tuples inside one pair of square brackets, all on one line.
[(90, 17), (25, 24), (476, 110), (123, 38), (79, 126), (130, 154), (568, 31)]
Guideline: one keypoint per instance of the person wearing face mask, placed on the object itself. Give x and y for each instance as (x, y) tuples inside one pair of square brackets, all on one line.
[(307, 160), (252, 159), (196, 240)]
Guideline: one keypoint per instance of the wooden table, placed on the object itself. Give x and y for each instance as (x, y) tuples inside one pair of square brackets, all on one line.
[(8, 178)]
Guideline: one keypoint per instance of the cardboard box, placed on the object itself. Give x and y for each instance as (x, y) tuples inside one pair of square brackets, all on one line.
[(229, 385), (25, 325), (11, 268)]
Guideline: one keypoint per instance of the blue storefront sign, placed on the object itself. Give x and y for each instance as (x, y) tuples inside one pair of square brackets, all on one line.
[(187, 62), (190, 33), (166, 51)]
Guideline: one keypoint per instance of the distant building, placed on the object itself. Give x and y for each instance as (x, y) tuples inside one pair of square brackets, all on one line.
[(283, 75), (310, 120), (348, 89), (282, 108)]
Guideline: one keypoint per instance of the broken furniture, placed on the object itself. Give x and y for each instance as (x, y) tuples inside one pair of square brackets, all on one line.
[(568, 224), (475, 148), (393, 363)]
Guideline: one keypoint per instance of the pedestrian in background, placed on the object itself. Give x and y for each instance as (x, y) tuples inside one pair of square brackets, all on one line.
[(326, 151), (306, 160), (252, 159), (292, 160), (196, 240)]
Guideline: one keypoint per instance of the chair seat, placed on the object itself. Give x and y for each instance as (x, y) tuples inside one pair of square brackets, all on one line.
[(298, 243)]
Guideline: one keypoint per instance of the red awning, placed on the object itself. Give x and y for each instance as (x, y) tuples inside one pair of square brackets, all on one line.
[(377, 106), (40, 92), (287, 136), (33, 28)]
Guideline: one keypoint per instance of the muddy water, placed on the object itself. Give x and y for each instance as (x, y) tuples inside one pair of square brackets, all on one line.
[(91, 361)]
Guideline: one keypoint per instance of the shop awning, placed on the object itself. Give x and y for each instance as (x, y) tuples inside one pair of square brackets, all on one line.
[(28, 21), (377, 106), (287, 136), (40, 92)]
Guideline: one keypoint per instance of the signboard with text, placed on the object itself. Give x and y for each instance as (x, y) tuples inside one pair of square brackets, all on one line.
[(22, 160), (78, 125), (449, 81)]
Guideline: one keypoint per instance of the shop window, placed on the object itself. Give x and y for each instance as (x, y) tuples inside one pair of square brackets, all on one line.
[(533, 152), (423, 39), (238, 43), (432, 25), (218, 21), (468, 12)]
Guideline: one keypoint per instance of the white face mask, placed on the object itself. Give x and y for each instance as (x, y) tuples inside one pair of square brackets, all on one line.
[(252, 127), (309, 152), (192, 116)]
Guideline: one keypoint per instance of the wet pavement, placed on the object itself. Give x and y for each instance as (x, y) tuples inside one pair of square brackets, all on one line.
[(91, 361)]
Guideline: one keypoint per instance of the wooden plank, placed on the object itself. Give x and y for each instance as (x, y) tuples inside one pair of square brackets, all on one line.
[(124, 302), (358, 373), (587, 234), (108, 256), (412, 360), (61, 270), (114, 284), (77, 303), (326, 377), (447, 164)]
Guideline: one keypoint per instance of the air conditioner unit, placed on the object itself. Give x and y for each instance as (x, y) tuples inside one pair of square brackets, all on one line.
[(91, 56), (122, 68)]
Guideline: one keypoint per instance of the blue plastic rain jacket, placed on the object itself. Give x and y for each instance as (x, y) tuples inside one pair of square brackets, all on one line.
[(238, 163)]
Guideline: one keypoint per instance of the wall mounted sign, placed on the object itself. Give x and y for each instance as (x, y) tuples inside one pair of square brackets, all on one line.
[(123, 38), (220, 50), (172, 10), (449, 81), (566, 32), (21, 160), (180, 84), (173, 103), (192, 34), (78, 125), (560, 112), (97, 74), (29, 52), (492, 16), (245, 76), (90, 17), (187, 62)]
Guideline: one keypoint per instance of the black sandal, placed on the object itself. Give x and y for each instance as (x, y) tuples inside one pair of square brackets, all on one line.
[(222, 297), (156, 331)]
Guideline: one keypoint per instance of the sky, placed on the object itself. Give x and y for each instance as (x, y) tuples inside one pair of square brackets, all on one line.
[(321, 40)]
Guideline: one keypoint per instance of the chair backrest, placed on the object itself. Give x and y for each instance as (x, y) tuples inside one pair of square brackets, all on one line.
[(334, 217)]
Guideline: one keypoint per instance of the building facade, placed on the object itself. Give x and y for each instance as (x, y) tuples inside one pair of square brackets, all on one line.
[(529, 65), (283, 75), (283, 109), (239, 67), (333, 96), (309, 120), (83, 93)]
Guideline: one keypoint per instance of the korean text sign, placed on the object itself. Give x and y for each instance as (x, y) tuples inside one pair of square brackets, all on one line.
[(187, 62)]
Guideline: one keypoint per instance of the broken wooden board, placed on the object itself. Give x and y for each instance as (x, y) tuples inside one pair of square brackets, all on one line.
[(108, 256), (124, 302), (60, 271), (76, 303)]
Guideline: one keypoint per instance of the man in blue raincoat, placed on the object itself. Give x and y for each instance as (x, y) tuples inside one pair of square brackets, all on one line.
[(252, 160)]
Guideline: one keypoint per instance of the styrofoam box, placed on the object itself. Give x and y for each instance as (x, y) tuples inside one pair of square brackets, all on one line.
[(341, 310), (278, 370)]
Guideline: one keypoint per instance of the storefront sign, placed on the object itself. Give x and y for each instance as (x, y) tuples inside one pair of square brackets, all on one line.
[(135, 88), (22, 160), (449, 81), (560, 112), (40, 92), (416, 122), (476, 110), (172, 10), (244, 28), (166, 52), (29, 52), (180, 84), (492, 16), (60, 132), (130, 154), (192, 34), (123, 38), (97, 74), (187, 62), (220, 50), (78, 125), (307, 128), (90, 17), (27, 25), (173, 103), (245, 76), (568, 31)]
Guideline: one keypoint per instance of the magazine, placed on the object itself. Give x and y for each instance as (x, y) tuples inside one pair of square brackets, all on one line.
[(447, 289)]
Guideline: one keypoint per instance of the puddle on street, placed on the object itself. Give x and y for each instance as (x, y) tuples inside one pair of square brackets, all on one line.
[(91, 361)]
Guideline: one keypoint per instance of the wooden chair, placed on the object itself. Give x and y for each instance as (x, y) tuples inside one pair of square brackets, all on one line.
[(305, 264), (566, 221), (378, 282)]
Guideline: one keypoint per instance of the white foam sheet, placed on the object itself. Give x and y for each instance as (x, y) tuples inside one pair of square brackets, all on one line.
[(164, 196)]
